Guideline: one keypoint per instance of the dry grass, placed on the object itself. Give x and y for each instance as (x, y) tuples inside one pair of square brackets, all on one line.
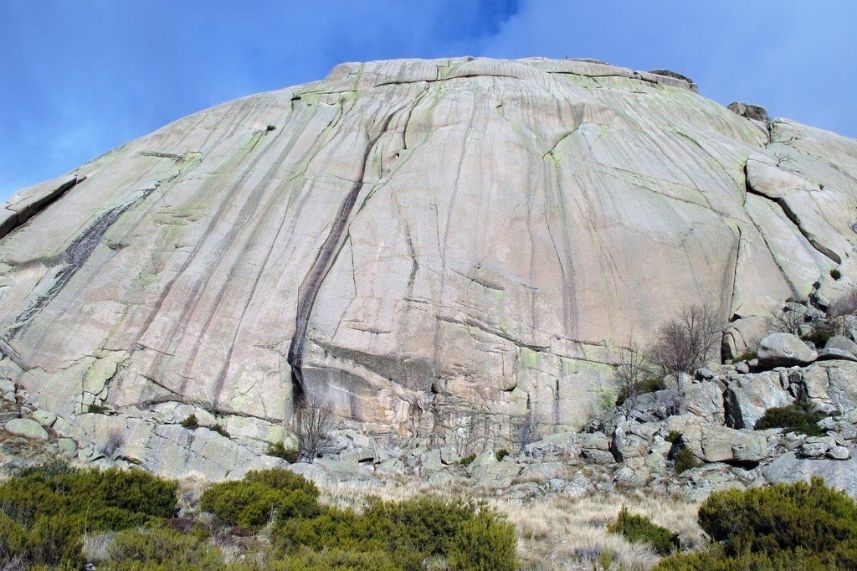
[(558, 532), (562, 532)]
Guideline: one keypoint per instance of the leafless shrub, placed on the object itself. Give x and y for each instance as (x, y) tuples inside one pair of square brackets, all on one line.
[(313, 421), (685, 342), (115, 440), (632, 370), (787, 319)]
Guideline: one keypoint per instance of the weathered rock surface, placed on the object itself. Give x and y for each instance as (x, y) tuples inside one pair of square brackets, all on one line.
[(446, 248), (784, 350)]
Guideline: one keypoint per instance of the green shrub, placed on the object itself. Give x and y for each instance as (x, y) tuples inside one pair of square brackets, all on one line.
[(335, 560), (714, 559), (411, 532), (278, 450), (835, 273), (56, 540), (53, 506), (684, 461), (797, 417), (483, 543), (500, 454), (639, 529), (153, 547), (191, 422), (673, 437), (260, 497), (96, 409), (13, 540), (467, 460), (795, 526), (809, 516)]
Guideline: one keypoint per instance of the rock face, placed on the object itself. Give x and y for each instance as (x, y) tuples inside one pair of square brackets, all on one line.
[(436, 248)]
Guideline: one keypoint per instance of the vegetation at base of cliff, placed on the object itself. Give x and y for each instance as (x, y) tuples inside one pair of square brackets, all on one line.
[(800, 417), (803, 526), (60, 517), (44, 512), (639, 529)]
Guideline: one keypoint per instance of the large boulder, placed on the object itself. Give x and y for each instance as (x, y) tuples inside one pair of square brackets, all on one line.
[(784, 350), (788, 468), (832, 385), (747, 397)]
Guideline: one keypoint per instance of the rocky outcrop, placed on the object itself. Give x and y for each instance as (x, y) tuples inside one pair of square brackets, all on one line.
[(449, 249)]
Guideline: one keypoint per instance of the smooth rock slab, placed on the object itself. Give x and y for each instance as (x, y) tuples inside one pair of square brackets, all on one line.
[(27, 428)]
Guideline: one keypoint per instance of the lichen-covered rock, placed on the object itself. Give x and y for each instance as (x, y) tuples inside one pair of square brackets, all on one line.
[(421, 243)]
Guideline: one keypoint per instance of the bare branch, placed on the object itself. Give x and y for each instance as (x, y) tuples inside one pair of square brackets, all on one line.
[(684, 343)]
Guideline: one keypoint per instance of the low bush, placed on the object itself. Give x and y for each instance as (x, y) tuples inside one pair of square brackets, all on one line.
[(152, 547), (500, 454), (261, 497), (639, 529), (797, 417), (191, 422), (53, 507), (467, 460), (684, 461), (411, 532), (794, 526), (278, 450)]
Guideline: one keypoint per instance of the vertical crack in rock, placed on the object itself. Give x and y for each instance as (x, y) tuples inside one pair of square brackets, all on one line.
[(326, 256), (71, 260)]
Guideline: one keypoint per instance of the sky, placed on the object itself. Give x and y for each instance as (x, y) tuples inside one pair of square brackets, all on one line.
[(79, 77)]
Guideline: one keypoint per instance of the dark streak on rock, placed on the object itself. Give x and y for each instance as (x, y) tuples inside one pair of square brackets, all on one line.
[(71, 260), (324, 260)]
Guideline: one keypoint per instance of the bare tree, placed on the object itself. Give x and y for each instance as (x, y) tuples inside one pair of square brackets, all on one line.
[(685, 342), (632, 370), (787, 319), (313, 421)]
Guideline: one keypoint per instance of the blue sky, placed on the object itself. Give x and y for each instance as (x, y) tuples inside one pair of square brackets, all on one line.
[(79, 77)]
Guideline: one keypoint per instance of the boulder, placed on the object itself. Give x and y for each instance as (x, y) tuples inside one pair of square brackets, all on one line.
[(788, 468), (784, 350), (747, 397), (843, 344), (839, 453), (705, 400), (831, 354), (750, 111), (27, 428), (831, 385)]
